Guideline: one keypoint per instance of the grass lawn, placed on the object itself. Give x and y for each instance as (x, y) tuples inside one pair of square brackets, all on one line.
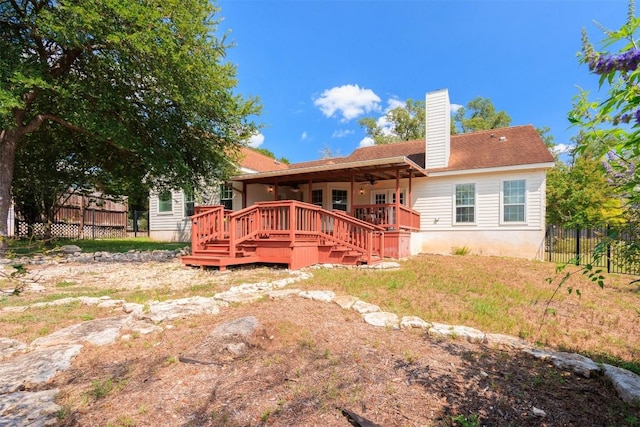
[(27, 247)]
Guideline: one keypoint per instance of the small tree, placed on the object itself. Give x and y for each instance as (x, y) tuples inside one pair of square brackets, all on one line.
[(612, 127)]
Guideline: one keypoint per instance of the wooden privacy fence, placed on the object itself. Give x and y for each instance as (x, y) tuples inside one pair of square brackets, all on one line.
[(577, 246), (81, 217)]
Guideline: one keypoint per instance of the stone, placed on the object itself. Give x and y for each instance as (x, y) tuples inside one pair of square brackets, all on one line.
[(10, 346), (626, 383), (283, 293), (70, 249), (96, 332), (470, 334), (230, 339), (576, 363), (364, 307), (345, 301), (538, 412), (168, 310), (36, 367), (33, 409), (505, 342), (382, 319), (409, 322), (233, 297), (385, 265), (324, 296)]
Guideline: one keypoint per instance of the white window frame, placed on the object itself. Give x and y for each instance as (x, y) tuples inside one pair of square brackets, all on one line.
[(226, 189), (504, 205), (160, 201), (456, 206), (315, 190), (347, 202), (389, 195)]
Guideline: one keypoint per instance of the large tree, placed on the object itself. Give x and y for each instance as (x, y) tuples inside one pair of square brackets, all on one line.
[(479, 114), (407, 122), (402, 123), (141, 88)]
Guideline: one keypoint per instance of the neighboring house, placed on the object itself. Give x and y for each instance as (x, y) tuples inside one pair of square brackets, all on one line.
[(482, 192), (169, 211)]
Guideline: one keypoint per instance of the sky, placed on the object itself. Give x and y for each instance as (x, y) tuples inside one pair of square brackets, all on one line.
[(319, 66)]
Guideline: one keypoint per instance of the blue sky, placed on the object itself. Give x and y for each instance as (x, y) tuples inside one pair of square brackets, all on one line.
[(319, 66)]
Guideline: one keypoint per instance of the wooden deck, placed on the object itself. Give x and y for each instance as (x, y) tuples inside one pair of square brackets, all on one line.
[(288, 232)]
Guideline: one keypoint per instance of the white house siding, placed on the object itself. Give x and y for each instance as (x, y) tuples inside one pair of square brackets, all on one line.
[(434, 198), (171, 226), (438, 128)]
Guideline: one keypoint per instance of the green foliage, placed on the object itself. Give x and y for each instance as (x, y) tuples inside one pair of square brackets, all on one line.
[(117, 95), (464, 250), (611, 127), (463, 421), (406, 123), (580, 195), (479, 114)]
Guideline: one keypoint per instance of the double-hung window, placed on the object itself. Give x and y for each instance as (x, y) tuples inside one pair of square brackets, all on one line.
[(465, 203), (165, 202), (339, 200), (226, 196), (513, 200), (189, 201), (316, 197)]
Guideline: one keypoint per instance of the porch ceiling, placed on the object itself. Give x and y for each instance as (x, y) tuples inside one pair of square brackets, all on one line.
[(364, 171)]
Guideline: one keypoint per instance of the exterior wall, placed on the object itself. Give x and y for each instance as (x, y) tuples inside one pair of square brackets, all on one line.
[(171, 226), (434, 198)]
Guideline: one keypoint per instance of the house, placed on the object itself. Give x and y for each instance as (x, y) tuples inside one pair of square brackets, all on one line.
[(169, 211), (482, 192)]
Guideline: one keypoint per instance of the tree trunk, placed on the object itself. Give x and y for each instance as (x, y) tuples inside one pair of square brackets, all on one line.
[(8, 145)]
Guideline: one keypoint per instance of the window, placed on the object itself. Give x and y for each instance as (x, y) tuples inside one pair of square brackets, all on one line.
[(465, 203), (189, 201), (226, 196), (339, 200), (165, 204), (379, 199), (513, 198), (316, 197)]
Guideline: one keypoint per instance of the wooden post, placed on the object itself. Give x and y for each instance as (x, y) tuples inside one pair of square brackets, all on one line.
[(397, 206)]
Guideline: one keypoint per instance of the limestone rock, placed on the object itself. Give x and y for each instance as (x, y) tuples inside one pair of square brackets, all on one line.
[(230, 339), (180, 308), (456, 331), (35, 409), (324, 296), (570, 361), (364, 307), (36, 367), (97, 332), (283, 293), (626, 383), (70, 249), (409, 322), (345, 301), (505, 342), (382, 319), (10, 346)]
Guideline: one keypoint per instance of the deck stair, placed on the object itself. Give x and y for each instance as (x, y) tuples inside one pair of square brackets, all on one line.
[(284, 232)]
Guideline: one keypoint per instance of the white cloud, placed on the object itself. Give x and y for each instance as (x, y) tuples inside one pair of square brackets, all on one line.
[(342, 133), (348, 101), (303, 136), (562, 148), (366, 142), (455, 107), (256, 140), (395, 103)]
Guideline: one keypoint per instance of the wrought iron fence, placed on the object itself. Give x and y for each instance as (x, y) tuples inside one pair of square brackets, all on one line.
[(578, 246)]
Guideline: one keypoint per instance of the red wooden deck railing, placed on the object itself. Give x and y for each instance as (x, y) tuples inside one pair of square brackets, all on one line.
[(384, 215), (287, 219)]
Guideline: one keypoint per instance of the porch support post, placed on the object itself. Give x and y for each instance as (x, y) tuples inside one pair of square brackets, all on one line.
[(397, 207), (353, 195), (275, 191), (410, 195), (244, 194)]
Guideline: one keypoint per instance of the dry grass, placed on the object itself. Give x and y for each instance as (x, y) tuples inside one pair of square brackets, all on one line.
[(502, 295)]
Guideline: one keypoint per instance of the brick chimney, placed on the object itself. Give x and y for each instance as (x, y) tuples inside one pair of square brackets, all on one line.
[(438, 129)]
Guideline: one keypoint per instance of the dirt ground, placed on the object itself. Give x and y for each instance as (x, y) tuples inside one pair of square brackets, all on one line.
[(315, 360)]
